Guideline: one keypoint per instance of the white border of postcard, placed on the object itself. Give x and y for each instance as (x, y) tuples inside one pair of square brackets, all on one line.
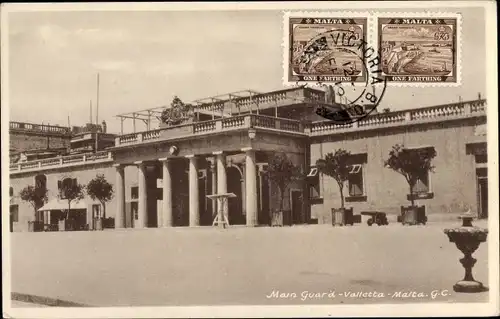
[(413, 310)]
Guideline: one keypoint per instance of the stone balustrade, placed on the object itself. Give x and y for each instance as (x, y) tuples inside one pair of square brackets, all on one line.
[(427, 114), (205, 127), (62, 161), (39, 128), (264, 100)]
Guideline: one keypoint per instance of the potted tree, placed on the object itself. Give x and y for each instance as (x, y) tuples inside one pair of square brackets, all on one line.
[(337, 165), (36, 196), (281, 172), (411, 163), (100, 189), (71, 192)]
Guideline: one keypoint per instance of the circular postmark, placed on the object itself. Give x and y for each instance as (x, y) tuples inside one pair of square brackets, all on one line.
[(348, 104)]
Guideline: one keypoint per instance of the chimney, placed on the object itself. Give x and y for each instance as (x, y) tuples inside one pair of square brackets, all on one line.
[(479, 95), (104, 126)]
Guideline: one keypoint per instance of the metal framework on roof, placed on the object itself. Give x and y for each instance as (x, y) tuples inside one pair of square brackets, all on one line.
[(233, 96), (148, 115), (153, 114)]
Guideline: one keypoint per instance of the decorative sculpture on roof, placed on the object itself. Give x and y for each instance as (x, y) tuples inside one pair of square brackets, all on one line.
[(177, 113)]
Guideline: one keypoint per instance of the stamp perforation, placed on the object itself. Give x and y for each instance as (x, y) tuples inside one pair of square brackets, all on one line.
[(304, 14), (425, 14), (372, 39)]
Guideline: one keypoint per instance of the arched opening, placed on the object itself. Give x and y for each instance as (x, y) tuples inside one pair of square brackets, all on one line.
[(235, 207)]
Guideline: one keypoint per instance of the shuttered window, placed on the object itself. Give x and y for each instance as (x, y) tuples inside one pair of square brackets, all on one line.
[(355, 180), (314, 185)]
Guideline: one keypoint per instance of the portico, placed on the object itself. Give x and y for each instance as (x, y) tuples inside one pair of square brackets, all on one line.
[(197, 168)]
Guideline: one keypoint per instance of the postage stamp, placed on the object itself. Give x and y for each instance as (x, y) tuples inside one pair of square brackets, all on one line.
[(323, 48), (419, 49)]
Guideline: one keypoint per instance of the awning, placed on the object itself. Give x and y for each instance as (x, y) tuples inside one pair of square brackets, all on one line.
[(58, 204)]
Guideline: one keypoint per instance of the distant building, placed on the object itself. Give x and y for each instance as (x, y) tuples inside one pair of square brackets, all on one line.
[(29, 141), (91, 138)]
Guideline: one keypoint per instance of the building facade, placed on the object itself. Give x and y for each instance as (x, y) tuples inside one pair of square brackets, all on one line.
[(162, 176)]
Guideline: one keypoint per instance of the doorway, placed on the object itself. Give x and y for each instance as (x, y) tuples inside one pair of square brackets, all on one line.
[(263, 198), (235, 209), (296, 206), (482, 194)]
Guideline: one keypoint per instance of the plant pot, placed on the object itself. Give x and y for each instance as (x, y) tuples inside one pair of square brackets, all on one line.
[(98, 224), (277, 219), (413, 215), (339, 216), (409, 215), (62, 225)]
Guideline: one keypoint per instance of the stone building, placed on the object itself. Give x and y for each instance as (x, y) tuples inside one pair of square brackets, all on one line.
[(162, 176)]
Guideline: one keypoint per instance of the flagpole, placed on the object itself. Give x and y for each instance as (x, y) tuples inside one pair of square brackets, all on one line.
[(97, 117), (97, 105)]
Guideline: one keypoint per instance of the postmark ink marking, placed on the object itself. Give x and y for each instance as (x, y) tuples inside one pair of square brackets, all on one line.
[(355, 110)]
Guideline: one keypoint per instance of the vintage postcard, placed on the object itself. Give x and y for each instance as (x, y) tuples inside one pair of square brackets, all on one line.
[(420, 49), (325, 48), (249, 159)]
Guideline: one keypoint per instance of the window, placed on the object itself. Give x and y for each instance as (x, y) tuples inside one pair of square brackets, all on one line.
[(422, 184), (11, 192), (314, 184), (134, 192), (14, 213), (41, 181), (422, 187), (67, 182), (355, 180), (481, 158)]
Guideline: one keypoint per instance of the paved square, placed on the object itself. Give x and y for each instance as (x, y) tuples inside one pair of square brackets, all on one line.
[(207, 266)]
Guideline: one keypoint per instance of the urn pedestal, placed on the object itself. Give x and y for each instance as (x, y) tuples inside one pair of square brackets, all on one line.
[(467, 238)]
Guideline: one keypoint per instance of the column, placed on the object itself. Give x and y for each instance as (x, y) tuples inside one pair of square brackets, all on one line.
[(120, 196), (194, 205), (251, 186), (142, 220), (213, 169), (222, 178), (167, 194)]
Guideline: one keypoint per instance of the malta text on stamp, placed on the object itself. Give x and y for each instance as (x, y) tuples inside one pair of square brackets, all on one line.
[(419, 49), (324, 48)]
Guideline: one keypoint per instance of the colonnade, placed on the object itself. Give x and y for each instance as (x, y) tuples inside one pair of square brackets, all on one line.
[(219, 182)]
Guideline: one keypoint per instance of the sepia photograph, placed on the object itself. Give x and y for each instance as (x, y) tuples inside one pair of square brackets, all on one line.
[(249, 159)]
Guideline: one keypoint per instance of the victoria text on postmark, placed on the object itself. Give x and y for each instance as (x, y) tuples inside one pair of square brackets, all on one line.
[(326, 49), (419, 50)]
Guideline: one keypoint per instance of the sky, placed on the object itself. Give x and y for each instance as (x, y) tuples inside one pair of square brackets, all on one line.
[(146, 58)]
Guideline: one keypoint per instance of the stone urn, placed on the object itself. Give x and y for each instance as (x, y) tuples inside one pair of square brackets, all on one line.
[(467, 238)]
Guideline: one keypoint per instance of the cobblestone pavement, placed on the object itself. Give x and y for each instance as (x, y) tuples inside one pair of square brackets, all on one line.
[(269, 266)]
